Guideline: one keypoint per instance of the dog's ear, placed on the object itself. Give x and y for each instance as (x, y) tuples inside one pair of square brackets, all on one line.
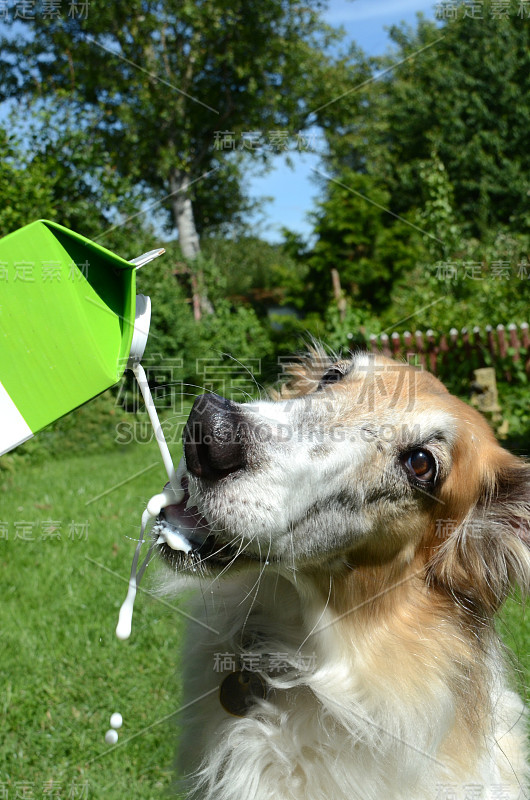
[(489, 551)]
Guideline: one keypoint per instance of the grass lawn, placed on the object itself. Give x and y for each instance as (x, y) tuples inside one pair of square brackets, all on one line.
[(63, 670)]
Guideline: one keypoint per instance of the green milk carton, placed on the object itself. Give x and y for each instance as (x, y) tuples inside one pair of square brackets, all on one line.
[(70, 324)]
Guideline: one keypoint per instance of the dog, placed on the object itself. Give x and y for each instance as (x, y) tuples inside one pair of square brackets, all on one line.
[(350, 541)]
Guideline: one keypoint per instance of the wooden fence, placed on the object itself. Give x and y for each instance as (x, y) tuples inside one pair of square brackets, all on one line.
[(506, 349)]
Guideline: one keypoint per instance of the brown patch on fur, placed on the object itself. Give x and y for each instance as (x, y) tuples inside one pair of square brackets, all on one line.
[(429, 617), (387, 386), (489, 551), (463, 578), (485, 498), (303, 376), (410, 637)]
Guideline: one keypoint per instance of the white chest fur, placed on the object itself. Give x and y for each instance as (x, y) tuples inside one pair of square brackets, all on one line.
[(330, 727)]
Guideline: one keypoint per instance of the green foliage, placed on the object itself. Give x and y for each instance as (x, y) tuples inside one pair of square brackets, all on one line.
[(442, 141), (369, 249), (54, 170), (465, 93), (233, 339), (290, 334), (249, 269), (25, 187), (458, 92), (437, 213), (484, 284), (516, 410), (235, 344), (344, 330), (210, 353)]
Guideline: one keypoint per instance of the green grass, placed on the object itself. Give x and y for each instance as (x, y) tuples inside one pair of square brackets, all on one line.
[(63, 670)]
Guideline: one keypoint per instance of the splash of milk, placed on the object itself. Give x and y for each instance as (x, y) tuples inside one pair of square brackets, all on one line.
[(171, 494)]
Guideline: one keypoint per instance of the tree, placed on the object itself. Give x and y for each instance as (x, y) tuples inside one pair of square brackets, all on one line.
[(457, 91), (368, 248), (52, 170), (438, 138), (167, 80)]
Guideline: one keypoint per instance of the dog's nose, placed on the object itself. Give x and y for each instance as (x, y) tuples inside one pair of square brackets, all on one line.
[(212, 437)]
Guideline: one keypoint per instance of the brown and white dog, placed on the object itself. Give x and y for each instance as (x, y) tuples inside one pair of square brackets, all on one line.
[(350, 542)]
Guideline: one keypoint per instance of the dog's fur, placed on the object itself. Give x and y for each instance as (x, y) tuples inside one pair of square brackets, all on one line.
[(367, 600)]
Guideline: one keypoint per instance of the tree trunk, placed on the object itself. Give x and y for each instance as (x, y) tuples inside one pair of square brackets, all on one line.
[(337, 291), (188, 239), (183, 215)]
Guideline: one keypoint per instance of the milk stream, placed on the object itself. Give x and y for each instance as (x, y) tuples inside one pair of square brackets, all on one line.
[(171, 494)]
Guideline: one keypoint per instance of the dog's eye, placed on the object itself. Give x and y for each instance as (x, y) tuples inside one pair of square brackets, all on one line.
[(333, 375), (421, 465)]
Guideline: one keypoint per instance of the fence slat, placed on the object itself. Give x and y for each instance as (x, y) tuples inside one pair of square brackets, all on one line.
[(514, 341), (396, 344), (502, 341), (420, 348), (491, 342), (432, 351), (525, 338)]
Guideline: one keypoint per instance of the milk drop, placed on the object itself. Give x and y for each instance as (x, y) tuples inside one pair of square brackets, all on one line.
[(111, 737), (116, 720), (123, 628)]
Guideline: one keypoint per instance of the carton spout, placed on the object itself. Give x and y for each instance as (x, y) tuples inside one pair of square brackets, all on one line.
[(141, 330)]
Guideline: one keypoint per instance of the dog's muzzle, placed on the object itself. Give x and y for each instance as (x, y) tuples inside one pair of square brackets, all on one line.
[(214, 448)]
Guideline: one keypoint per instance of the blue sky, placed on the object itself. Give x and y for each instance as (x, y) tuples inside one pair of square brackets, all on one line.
[(294, 190)]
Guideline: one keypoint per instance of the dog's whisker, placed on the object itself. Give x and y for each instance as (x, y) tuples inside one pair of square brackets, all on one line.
[(251, 606), (315, 626), (246, 368), (240, 550), (263, 565)]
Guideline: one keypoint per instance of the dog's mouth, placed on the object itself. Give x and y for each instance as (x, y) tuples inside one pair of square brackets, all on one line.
[(187, 541)]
